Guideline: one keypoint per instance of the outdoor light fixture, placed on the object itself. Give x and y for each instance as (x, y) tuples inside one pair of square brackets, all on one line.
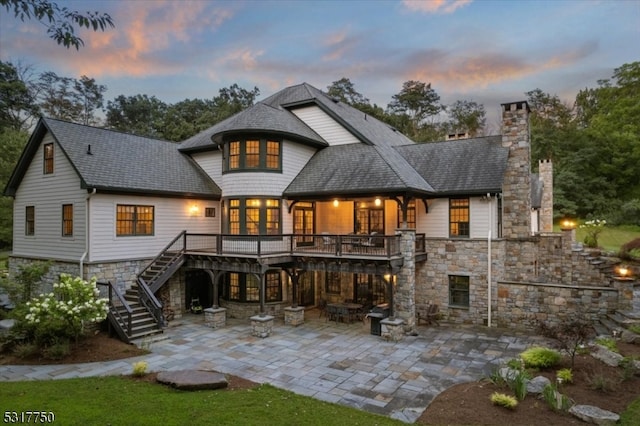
[(378, 202), (623, 271), (567, 225), (194, 210), (336, 203)]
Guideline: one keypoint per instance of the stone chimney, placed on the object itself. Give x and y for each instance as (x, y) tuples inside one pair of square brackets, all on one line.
[(516, 185), (545, 171)]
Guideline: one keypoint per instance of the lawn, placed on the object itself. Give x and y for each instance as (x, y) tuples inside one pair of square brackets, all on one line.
[(121, 400), (612, 237)]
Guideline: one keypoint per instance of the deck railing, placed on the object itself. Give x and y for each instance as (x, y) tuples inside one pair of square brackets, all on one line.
[(299, 244)]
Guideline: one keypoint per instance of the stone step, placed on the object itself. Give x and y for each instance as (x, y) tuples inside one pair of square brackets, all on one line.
[(601, 330), (622, 320), (610, 326), (634, 315)]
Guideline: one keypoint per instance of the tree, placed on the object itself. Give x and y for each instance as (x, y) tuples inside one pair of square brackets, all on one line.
[(61, 22), (467, 116), (344, 90), (17, 104), (187, 118), (91, 97), (12, 142), (139, 114), (417, 101), (233, 99)]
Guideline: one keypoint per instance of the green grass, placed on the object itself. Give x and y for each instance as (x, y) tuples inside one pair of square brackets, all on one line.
[(611, 238), (119, 400), (631, 415)]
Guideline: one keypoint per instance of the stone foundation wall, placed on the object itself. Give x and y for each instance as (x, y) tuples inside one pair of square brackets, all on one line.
[(523, 305), (247, 310)]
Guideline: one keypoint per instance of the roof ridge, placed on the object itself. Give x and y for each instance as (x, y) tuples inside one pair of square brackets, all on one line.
[(399, 156), (105, 129)]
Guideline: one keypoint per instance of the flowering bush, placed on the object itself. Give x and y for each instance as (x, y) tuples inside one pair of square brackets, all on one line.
[(593, 229), (65, 311)]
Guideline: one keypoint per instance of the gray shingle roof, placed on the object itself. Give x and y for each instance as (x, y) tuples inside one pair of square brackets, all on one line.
[(128, 163), (460, 166), (356, 169)]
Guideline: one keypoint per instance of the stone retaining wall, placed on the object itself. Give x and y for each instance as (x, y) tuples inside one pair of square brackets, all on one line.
[(523, 305)]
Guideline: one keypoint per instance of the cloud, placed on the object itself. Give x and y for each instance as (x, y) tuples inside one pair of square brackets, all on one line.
[(338, 45), (435, 6)]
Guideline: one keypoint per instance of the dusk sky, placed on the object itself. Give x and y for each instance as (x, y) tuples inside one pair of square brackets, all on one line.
[(487, 51)]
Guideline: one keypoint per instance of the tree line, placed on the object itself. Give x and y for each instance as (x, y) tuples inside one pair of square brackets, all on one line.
[(594, 142)]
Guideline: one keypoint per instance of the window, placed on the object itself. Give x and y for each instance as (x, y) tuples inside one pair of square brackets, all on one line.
[(67, 220), (333, 283), (369, 218), (459, 217), (459, 291), (411, 215), (253, 154), (209, 212), (48, 158), (134, 220), (254, 216), (30, 221), (243, 287)]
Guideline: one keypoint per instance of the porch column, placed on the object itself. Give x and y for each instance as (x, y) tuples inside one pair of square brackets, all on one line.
[(405, 289), (263, 293)]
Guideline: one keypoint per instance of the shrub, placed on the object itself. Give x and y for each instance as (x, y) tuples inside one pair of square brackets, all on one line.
[(564, 375), (593, 229), (65, 311), (554, 399), (630, 250), (25, 350), (628, 369), (635, 328), (572, 334), (140, 368), (608, 343), (518, 384), (26, 284), (539, 357), (57, 350), (503, 400), (599, 382)]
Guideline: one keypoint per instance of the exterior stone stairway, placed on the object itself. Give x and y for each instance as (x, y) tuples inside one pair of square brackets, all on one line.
[(620, 320)]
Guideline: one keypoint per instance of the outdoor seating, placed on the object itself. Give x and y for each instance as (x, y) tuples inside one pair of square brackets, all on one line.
[(429, 315), (322, 307), (343, 312)]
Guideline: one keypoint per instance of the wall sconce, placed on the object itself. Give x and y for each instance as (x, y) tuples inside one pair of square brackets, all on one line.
[(336, 203), (378, 202), (567, 225), (194, 210)]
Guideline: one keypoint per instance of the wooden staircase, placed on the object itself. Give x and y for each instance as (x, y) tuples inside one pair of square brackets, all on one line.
[(138, 313)]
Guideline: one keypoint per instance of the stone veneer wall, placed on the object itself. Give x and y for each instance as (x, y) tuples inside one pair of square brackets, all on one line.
[(247, 310), (123, 273), (405, 291), (545, 171), (523, 305)]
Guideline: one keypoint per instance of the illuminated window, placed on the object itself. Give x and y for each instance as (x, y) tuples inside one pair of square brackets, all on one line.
[(234, 217), (411, 215), (134, 220), (30, 220), (254, 216), (48, 158), (459, 217), (253, 155), (243, 287), (67, 220)]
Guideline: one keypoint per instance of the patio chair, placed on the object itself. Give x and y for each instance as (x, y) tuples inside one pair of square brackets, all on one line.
[(322, 307), (196, 307), (429, 315)]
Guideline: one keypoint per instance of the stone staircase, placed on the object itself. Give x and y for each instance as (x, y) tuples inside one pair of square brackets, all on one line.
[(620, 320)]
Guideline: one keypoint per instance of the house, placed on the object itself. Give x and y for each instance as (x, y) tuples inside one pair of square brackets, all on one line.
[(302, 198)]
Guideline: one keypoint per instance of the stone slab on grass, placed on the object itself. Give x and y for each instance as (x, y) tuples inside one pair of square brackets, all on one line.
[(193, 379)]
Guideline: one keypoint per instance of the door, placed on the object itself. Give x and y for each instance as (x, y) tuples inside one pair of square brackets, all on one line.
[(306, 289), (304, 223), (369, 218)]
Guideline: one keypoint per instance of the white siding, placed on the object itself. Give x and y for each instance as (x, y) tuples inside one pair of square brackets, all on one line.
[(211, 163), (294, 157), (435, 224), (171, 216), (47, 193), (325, 126)]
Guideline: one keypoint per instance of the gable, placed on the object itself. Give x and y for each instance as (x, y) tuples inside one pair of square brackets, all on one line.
[(324, 125)]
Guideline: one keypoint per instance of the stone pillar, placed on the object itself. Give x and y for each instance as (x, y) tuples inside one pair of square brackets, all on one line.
[(215, 317), (294, 315), (516, 184), (261, 325), (392, 329), (545, 171), (625, 286), (405, 290)]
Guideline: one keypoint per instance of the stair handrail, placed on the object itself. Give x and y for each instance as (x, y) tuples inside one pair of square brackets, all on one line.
[(113, 310), (149, 301), (181, 235)]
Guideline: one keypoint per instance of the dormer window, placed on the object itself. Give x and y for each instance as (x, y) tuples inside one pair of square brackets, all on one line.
[(253, 154)]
